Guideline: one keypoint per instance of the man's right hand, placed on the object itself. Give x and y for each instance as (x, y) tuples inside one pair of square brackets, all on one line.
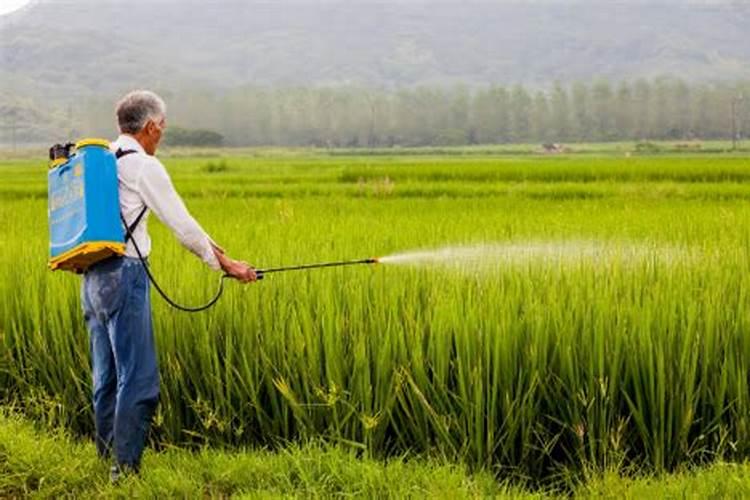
[(239, 270)]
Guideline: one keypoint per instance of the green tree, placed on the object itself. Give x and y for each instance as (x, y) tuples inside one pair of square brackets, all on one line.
[(540, 118), (624, 112), (520, 108), (581, 118), (602, 111), (642, 110), (560, 114)]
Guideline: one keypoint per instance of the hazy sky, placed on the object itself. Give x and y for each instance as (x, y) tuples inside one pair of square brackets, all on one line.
[(8, 6)]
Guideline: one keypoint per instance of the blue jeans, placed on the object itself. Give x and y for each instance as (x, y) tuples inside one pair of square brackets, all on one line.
[(117, 310)]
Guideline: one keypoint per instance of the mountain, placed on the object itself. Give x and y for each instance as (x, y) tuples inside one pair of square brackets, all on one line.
[(83, 48)]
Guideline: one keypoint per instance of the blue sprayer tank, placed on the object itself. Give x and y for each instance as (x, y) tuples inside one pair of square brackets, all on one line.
[(84, 206)]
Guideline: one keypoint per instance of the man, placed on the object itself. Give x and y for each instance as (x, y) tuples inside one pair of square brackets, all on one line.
[(115, 292)]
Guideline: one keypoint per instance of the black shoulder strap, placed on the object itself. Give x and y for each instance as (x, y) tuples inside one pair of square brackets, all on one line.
[(119, 154), (132, 227)]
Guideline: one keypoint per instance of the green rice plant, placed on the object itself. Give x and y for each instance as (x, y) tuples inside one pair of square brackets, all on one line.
[(626, 349)]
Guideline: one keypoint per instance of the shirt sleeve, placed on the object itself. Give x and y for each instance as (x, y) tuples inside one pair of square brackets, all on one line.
[(160, 196)]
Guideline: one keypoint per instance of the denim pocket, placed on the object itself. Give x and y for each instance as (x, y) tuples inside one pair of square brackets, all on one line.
[(104, 289)]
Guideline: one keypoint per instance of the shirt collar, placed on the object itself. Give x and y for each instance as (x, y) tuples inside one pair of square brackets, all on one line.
[(125, 142)]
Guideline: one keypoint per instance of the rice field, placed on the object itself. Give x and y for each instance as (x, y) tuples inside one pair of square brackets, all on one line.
[(536, 316)]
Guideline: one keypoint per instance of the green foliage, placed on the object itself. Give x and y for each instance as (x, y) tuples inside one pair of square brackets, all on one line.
[(44, 464), (179, 136), (526, 368), (33, 463), (215, 167), (647, 147), (721, 480)]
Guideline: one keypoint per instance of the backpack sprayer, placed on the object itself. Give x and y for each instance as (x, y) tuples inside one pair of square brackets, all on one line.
[(85, 223)]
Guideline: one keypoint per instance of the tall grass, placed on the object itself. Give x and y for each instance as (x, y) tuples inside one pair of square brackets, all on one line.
[(522, 369)]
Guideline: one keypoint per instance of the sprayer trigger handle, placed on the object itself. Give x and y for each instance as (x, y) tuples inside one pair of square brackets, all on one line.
[(258, 275)]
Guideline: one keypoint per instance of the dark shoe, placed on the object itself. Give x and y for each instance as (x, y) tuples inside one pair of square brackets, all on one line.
[(114, 474), (119, 472)]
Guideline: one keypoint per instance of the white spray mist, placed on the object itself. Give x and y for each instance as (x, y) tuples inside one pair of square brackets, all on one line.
[(533, 252)]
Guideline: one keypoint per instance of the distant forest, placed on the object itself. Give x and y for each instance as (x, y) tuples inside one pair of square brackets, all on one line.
[(344, 116)]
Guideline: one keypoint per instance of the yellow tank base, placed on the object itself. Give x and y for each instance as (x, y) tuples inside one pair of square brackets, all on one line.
[(79, 259)]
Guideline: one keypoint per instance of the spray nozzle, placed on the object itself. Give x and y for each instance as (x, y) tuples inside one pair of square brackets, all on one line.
[(59, 154)]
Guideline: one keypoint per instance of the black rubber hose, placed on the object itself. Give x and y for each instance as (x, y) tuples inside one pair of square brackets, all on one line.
[(161, 292)]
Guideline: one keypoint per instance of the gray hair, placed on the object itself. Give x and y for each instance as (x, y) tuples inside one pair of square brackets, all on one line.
[(137, 108)]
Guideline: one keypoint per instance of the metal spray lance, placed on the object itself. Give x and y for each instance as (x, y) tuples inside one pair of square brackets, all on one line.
[(260, 273)]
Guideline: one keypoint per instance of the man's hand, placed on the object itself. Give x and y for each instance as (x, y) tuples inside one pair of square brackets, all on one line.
[(239, 270)]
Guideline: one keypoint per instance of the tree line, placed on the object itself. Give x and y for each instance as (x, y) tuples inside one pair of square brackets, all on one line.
[(660, 109), (352, 116)]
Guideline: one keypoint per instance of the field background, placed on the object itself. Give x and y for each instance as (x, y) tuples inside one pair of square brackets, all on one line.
[(527, 368)]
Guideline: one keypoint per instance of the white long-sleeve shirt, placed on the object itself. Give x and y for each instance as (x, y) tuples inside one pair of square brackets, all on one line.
[(144, 182)]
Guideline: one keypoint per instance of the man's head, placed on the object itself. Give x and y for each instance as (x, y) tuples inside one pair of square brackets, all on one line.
[(142, 114)]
